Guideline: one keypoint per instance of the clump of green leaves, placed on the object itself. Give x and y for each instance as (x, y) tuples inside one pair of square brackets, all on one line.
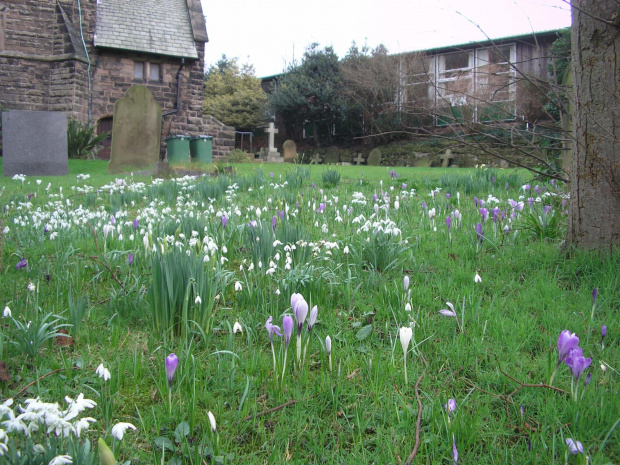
[(83, 140), (331, 178), (30, 337)]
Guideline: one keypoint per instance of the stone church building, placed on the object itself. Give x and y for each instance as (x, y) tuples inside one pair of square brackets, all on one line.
[(80, 56)]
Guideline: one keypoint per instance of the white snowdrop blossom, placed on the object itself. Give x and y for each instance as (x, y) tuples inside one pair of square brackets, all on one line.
[(6, 313), (103, 372), (198, 300), (61, 459), (477, 278), (237, 328), (118, 430), (238, 286), (31, 287)]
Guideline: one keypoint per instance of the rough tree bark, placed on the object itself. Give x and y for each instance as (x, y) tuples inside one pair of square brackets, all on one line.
[(594, 220)]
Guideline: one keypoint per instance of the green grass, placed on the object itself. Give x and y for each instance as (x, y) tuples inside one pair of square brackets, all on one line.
[(361, 411)]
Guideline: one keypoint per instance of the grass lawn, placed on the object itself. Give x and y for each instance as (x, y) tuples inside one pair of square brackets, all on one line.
[(104, 277)]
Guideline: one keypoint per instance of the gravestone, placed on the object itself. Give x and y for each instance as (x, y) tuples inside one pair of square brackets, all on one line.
[(374, 158), (332, 156), (136, 130), (446, 159), (34, 143), (316, 159), (290, 151), (422, 162), (272, 153), (359, 159)]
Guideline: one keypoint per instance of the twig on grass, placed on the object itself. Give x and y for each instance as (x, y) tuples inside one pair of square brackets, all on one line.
[(21, 391), (96, 260), (525, 385), (271, 410), (420, 407)]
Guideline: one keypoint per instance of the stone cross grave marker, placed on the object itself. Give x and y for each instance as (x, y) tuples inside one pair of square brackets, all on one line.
[(272, 131), (316, 159), (34, 143), (359, 159), (446, 158), (136, 130)]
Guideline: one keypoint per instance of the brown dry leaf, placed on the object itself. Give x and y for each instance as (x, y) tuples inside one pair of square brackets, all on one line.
[(64, 340), (352, 375), (4, 372)]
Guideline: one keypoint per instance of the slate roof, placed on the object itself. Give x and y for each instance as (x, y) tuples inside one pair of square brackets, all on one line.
[(161, 27)]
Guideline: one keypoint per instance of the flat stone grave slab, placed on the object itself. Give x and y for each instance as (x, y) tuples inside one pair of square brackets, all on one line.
[(34, 143)]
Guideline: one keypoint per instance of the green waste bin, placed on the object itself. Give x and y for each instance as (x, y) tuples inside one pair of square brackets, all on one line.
[(201, 148), (178, 149)]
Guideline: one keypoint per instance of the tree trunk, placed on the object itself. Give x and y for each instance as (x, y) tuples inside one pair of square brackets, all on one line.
[(594, 221)]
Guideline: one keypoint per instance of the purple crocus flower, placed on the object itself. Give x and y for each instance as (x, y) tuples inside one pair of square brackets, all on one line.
[(577, 362), (479, 233), (274, 222), (300, 310), (112, 220), (594, 294), (537, 189), (224, 221), (314, 313), (130, 258), (404, 186), (281, 214), (171, 365), (47, 278), (476, 201), (375, 198), (530, 201), (23, 263), (575, 447), (588, 378), (507, 186), (567, 341), (271, 174), (484, 213), (492, 179), (135, 224), (547, 209), (272, 329), (448, 196), (287, 327), (29, 197), (447, 312), (455, 452), (448, 222), (450, 406), (603, 331)]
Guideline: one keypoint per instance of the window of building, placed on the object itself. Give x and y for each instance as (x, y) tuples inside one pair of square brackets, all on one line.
[(154, 72), (499, 54), (138, 70), (2, 25), (456, 60), (144, 70)]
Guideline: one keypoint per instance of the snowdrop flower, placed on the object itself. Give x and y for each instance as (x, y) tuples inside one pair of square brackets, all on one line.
[(103, 372), (198, 300), (82, 425), (238, 286), (61, 459), (477, 278), (345, 250), (31, 287), (7, 312), (237, 328), (408, 307), (119, 429)]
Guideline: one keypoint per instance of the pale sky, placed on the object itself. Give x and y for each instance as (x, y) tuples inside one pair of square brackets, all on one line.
[(271, 33)]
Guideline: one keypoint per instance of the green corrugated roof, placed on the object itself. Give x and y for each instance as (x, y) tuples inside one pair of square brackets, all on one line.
[(160, 27)]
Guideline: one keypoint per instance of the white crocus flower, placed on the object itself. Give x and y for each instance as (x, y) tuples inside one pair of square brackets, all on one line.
[(406, 333), (119, 429), (212, 421)]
